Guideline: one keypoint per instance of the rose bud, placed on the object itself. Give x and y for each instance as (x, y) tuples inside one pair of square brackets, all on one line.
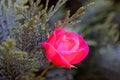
[(65, 48)]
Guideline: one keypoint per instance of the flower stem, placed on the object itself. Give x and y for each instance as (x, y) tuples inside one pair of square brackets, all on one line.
[(44, 71)]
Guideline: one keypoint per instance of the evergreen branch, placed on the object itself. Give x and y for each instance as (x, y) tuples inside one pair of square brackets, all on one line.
[(53, 9), (69, 20)]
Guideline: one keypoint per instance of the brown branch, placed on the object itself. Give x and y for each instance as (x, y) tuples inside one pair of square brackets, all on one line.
[(44, 71)]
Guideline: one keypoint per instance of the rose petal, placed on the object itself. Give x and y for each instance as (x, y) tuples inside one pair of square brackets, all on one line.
[(52, 37), (80, 55), (75, 56), (66, 45), (67, 41), (59, 31), (54, 56), (83, 43)]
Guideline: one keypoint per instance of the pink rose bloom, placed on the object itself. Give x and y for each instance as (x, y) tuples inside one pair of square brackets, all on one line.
[(65, 48)]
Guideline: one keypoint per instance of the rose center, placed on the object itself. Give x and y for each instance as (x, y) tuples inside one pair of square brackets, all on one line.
[(66, 44)]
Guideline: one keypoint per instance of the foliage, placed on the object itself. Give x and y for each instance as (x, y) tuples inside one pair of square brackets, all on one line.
[(103, 29), (70, 20), (13, 62), (22, 29)]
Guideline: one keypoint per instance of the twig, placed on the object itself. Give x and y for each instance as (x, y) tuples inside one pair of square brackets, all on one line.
[(44, 71)]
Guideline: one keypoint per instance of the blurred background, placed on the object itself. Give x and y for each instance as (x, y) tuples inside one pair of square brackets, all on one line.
[(100, 26)]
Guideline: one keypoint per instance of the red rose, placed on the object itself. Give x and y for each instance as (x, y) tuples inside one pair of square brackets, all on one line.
[(65, 48)]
